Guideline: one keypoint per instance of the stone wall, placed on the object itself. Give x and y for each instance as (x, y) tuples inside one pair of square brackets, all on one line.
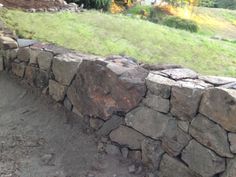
[(177, 122)]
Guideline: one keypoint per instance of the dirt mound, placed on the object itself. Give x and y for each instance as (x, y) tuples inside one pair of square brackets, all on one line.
[(36, 4)]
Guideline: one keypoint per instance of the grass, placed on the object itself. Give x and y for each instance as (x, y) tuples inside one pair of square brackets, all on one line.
[(105, 34)]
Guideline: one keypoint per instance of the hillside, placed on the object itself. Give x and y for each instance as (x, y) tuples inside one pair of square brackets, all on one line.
[(105, 34)]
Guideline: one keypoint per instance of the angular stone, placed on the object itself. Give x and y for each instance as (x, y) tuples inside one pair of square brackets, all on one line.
[(183, 125), (23, 54), (9, 57), (42, 79), (31, 74), (95, 123), (157, 103), (219, 105), (230, 169), (56, 90), (159, 85), (232, 141), (67, 104), (18, 69), (126, 136), (174, 139), (152, 153), (33, 56), (217, 80), (65, 66), (135, 155), (180, 73), (202, 160), (1, 63), (171, 167), (210, 135), (45, 60), (112, 149), (101, 89), (185, 101), (110, 125), (147, 121), (7, 43)]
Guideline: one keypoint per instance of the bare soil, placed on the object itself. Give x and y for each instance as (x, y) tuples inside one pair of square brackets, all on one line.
[(38, 138)]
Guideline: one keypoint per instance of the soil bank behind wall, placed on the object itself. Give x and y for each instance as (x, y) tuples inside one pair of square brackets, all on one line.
[(27, 4)]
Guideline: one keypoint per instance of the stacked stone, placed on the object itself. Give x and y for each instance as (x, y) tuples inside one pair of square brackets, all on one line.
[(178, 123)]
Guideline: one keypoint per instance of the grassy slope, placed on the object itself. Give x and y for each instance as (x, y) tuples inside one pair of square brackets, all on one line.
[(104, 34)]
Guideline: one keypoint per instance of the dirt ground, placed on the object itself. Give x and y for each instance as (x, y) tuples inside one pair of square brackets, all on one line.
[(38, 138)]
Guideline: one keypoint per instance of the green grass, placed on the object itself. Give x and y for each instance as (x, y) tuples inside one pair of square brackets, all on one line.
[(105, 34)]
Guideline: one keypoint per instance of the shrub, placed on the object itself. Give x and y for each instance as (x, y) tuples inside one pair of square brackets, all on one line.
[(176, 22), (95, 4)]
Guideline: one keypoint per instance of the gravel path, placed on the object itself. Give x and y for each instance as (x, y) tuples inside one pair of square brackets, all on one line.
[(38, 138)]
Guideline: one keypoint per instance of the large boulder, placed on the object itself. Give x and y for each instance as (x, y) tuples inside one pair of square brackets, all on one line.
[(149, 122), (7, 43), (171, 167), (102, 88), (211, 135), (202, 160), (219, 105)]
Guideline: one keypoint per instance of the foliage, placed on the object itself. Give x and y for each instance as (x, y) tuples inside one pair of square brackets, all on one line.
[(105, 34), (179, 23), (96, 4), (228, 4)]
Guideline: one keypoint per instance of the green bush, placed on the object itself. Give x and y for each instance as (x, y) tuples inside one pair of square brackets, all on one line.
[(176, 22), (93, 4)]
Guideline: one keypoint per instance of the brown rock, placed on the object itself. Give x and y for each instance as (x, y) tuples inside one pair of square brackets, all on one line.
[(18, 69), (106, 88)]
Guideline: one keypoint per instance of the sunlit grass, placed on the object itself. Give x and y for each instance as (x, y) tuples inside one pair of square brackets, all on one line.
[(106, 34)]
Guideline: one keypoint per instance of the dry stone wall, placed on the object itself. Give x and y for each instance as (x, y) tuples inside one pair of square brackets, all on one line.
[(177, 122)]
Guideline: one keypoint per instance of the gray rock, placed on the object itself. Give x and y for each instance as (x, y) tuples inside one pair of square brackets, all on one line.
[(171, 167), (217, 80), (67, 104), (132, 169), (230, 169), (26, 42), (65, 66), (42, 79), (23, 54), (127, 137), (9, 57), (96, 123), (135, 155), (211, 135), (232, 140), (56, 90), (180, 73), (202, 160), (1, 63), (7, 43), (185, 101), (219, 105), (152, 153), (125, 152), (110, 125), (45, 60), (174, 139), (33, 56), (157, 103), (183, 125), (112, 149), (147, 121), (159, 85), (18, 69)]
